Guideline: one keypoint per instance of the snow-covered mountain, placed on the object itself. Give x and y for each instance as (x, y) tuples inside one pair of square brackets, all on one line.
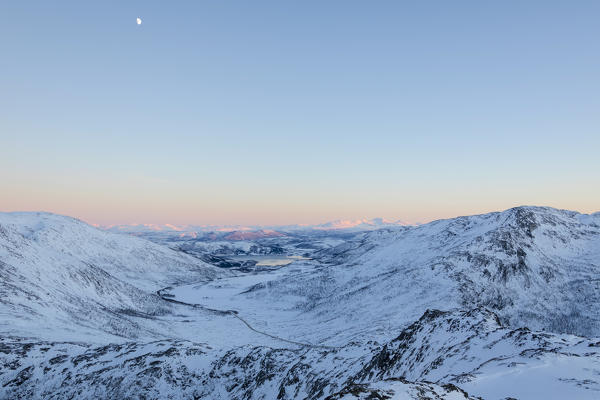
[(57, 271), (194, 231), (494, 306), (535, 266), (214, 244), (364, 224)]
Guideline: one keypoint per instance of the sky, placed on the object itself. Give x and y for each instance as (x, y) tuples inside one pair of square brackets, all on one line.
[(278, 112)]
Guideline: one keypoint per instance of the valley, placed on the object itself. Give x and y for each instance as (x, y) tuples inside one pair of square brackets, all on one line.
[(493, 306)]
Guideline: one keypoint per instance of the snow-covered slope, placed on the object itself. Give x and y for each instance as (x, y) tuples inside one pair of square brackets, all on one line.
[(58, 273), (443, 355), (536, 267)]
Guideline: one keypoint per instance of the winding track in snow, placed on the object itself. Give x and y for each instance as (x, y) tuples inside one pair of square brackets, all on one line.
[(235, 314)]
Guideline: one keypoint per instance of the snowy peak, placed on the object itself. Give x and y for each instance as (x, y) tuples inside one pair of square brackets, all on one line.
[(359, 224), (258, 230), (534, 266)]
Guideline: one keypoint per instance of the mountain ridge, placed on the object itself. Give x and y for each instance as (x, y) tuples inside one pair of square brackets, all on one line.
[(56, 269)]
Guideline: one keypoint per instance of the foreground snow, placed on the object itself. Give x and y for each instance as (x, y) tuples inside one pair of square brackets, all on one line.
[(443, 354)]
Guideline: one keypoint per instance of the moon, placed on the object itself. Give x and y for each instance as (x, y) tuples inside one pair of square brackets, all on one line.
[(139, 21)]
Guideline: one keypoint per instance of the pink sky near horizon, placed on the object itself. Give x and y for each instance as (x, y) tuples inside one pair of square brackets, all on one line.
[(113, 213), (397, 110), (127, 199)]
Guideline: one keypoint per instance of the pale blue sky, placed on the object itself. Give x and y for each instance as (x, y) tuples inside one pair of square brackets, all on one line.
[(282, 112)]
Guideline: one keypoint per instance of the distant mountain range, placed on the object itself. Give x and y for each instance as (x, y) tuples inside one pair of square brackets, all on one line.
[(259, 230)]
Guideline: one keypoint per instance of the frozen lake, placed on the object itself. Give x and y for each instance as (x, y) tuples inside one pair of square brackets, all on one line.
[(268, 260)]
